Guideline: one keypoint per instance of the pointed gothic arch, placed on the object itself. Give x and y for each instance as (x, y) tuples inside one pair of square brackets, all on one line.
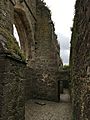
[(24, 29)]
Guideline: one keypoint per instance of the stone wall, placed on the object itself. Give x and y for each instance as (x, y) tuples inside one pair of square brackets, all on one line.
[(12, 79), (80, 61), (12, 95), (42, 82), (39, 47), (11, 68), (25, 21), (47, 58), (6, 14), (30, 83)]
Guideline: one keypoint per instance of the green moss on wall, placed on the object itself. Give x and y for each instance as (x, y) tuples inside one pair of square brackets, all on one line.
[(11, 44)]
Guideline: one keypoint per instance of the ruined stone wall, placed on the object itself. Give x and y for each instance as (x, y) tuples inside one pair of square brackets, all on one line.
[(46, 55), (46, 46), (64, 75), (6, 14), (25, 21), (80, 61), (12, 93), (30, 83), (39, 47)]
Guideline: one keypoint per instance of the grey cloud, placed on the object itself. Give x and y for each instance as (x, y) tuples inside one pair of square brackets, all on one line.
[(64, 42), (65, 56), (64, 48)]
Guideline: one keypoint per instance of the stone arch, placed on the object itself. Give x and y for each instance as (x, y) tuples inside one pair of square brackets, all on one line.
[(24, 29)]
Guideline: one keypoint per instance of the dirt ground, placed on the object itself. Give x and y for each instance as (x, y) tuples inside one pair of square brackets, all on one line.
[(47, 110)]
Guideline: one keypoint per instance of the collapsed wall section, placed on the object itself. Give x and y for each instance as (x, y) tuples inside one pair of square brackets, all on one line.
[(80, 61)]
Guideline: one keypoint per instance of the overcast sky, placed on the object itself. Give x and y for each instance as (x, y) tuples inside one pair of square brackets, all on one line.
[(62, 15)]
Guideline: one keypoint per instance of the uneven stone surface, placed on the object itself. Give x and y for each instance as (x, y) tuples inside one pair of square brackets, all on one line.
[(6, 14), (12, 84), (49, 110), (47, 55), (39, 47), (39, 43), (80, 61)]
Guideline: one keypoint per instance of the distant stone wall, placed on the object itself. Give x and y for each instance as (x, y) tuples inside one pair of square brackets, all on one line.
[(40, 84), (47, 51), (80, 61), (64, 75), (46, 86), (47, 48), (41, 77)]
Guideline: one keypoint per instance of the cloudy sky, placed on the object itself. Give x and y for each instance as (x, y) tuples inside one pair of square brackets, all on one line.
[(62, 15)]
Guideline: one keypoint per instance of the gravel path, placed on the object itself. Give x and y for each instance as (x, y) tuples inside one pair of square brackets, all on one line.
[(47, 110)]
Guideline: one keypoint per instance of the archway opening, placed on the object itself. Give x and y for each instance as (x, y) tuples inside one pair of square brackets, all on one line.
[(24, 36)]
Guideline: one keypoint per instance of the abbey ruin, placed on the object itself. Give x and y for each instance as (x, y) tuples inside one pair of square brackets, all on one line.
[(34, 70)]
